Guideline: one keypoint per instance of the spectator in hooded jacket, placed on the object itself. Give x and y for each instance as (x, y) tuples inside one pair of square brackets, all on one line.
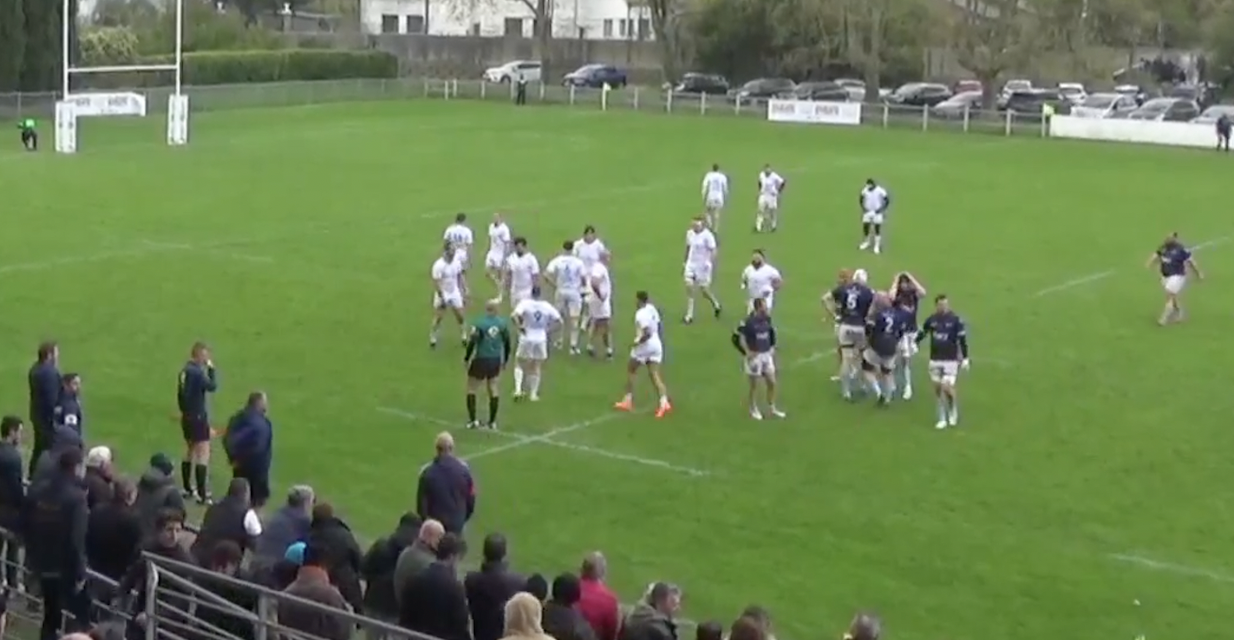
[(99, 476), (653, 618), (157, 492), (250, 446), (434, 602), (285, 527), (114, 533), (281, 574), (597, 602), (561, 617), (231, 519), (377, 568), (333, 537), (313, 583), (490, 588), (523, 618), (12, 496), (417, 557)]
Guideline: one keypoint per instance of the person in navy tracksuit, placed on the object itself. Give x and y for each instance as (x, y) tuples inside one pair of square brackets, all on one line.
[(250, 446)]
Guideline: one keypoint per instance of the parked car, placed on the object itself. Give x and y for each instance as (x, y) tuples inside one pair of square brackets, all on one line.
[(595, 76), (1203, 94), (1073, 92), (967, 86), (856, 88), (708, 83), (1105, 105), (1030, 102), (957, 105), (919, 94), (817, 91), (1210, 115), (763, 89), (1133, 90), (1166, 110), (1012, 86), (510, 71)]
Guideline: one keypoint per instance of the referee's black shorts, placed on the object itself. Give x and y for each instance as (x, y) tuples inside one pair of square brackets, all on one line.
[(195, 429), (484, 368)]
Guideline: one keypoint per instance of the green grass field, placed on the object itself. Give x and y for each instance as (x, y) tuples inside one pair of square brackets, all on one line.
[(1091, 469)]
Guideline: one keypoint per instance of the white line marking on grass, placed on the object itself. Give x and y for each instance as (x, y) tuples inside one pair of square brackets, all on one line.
[(1208, 244), (813, 357), (43, 265), (1170, 567), (230, 255), (1071, 284)]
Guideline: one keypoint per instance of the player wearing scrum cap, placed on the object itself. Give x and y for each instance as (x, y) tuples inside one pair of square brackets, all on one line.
[(647, 352), (448, 291), (849, 303), (534, 318)]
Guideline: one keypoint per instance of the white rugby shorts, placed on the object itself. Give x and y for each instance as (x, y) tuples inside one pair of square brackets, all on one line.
[(698, 274), (850, 336), (598, 309), (463, 257), (1173, 285), (715, 202), (531, 350), (872, 217), (570, 302), (767, 202), (450, 300), (494, 260), (944, 371), (651, 351), (760, 364)]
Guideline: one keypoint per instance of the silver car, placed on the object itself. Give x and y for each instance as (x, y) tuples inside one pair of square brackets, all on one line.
[(1211, 114), (1104, 105)]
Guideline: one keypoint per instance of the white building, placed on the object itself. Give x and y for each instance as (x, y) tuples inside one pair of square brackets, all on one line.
[(590, 19)]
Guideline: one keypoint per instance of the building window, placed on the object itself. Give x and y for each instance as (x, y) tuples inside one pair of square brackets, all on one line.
[(608, 28), (644, 28), (415, 24), (475, 28), (621, 27), (389, 23), (514, 27)]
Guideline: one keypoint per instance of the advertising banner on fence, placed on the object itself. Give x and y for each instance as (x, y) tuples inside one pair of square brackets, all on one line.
[(810, 112), (108, 104), (1179, 134)]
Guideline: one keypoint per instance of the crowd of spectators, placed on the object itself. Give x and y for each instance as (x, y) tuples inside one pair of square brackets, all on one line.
[(77, 517)]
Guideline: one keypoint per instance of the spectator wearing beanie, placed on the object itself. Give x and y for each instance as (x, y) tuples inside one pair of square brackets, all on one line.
[(157, 492), (313, 583), (561, 619)]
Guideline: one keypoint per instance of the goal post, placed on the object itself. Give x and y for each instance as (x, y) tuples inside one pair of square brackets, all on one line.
[(75, 105)]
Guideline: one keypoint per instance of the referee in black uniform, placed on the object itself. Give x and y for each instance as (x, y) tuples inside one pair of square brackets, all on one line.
[(197, 381)]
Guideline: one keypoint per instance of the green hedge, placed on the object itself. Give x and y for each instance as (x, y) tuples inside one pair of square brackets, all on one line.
[(234, 67)]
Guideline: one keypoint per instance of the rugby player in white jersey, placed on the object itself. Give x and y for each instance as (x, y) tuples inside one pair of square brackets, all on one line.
[(460, 237), (761, 281), (568, 277), (770, 186), (874, 201), (447, 277), (647, 352), (700, 264), (499, 245), (715, 195), (535, 318), (522, 272), (590, 249), (600, 307)]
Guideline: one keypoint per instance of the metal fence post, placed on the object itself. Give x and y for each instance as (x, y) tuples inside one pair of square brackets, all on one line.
[(571, 95), (702, 105), (483, 85), (966, 118), (264, 616), (1007, 126), (636, 98), (668, 103), (151, 604), (925, 118), (886, 114), (541, 91)]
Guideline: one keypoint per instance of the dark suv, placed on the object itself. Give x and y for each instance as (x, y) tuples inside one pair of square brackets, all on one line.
[(1032, 101), (920, 94), (708, 83), (595, 76), (817, 91)]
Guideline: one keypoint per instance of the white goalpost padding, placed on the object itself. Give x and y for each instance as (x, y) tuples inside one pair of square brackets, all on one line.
[(72, 106)]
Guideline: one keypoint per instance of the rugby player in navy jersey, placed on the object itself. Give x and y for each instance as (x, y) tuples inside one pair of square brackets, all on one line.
[(755, 338), (907, 293), (884, 328), (948, 354), (849, 303), (1174, 260)]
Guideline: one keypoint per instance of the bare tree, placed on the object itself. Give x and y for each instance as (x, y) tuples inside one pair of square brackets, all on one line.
[(666, 25), (992, 36), (865, 24)]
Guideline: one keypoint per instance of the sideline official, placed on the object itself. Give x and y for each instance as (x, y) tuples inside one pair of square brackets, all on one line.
[(44, 380), (520, 89), (249, 444), (1223, 133), (446, 492)]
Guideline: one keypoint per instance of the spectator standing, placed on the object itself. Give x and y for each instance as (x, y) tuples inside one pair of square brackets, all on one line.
[(164, 543), (652, 619), (99, 477), (561, 617), (224, 560), (520, 91), (56, 520), (333, 537), (597, 603), (434, 602), (523, 618), (47, 464), (1223, 132), (537, 585), (231, 519), (44, 381), (12, 496), (157, 492), (377, 568), (417, 557), (446, 491), (285, 527), (313, 583), (250, 446), (114, 533), (68, 413), (490, 588)]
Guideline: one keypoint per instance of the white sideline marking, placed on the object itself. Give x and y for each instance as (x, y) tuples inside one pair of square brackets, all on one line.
[(519, 439), (813, 357), (173, 246), (1208, 244), (1170, 567), (1070, 284), (43, 265)]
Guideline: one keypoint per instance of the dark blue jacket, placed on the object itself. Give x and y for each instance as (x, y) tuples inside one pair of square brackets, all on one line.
[(286, 527), (44, 379), (250, 441), (446, 493), (68, 413)]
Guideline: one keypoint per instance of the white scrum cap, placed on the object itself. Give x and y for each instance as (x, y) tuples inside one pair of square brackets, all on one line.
[(98, 456), (861, 276)]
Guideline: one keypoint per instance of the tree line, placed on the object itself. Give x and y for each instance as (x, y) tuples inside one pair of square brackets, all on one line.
[(30, 44)]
